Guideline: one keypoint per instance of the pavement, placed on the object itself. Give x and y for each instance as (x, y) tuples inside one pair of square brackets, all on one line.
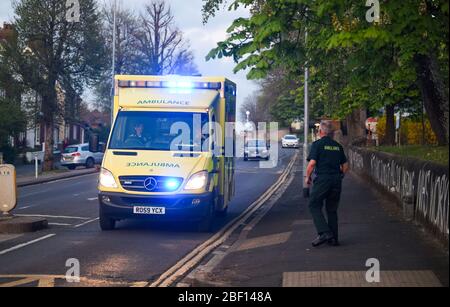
[(277, 250), (136, 252), (26, 176)]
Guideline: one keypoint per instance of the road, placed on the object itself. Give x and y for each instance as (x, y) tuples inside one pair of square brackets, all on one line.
[(136, 252)]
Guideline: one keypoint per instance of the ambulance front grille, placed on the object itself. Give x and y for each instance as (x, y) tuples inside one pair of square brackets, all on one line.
[(150, 183)]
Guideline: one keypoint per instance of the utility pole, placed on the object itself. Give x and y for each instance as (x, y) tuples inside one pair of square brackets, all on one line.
[(113, 59), (306, 112)]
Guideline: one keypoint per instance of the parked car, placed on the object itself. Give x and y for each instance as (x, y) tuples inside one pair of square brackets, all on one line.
[(79, 155), (290, 140), (256, 149)]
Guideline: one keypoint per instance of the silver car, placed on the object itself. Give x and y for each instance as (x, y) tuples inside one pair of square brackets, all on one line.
[(256, 149), (290, 140), (79, 155)]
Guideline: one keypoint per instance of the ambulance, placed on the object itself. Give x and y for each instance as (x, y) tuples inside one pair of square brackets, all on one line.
[(165, 158)]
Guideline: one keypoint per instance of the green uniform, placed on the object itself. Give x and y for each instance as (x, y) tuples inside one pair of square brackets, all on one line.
[(329, 156)]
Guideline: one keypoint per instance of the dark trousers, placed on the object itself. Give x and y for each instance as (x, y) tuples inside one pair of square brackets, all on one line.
[(326, 190)]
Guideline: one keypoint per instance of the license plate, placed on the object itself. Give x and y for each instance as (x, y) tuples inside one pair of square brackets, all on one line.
[(149, 210)]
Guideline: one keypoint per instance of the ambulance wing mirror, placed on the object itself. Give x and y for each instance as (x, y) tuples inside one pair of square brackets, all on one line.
[(93, 143)]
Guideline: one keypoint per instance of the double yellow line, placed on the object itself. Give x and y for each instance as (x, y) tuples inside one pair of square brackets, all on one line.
[(187, 263)]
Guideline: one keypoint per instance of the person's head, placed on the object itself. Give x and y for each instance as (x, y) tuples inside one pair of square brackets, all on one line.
[(325, 129), (138, 128)]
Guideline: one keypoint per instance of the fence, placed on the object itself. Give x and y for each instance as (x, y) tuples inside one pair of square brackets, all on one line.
[(423, 185)]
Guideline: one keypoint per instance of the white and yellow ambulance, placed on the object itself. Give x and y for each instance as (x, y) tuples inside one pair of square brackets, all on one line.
[(165, 158)]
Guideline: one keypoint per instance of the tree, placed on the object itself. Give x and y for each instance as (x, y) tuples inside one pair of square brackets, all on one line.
[(377, 64), (252, 105), (127, 54), (13, 115), (164, 51), (12, 118), (51, 50), (148, 44)]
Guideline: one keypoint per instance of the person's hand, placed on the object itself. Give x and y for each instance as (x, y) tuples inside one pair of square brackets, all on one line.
[(307, 180)]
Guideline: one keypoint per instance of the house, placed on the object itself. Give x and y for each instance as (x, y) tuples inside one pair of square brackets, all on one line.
[(68, 129)]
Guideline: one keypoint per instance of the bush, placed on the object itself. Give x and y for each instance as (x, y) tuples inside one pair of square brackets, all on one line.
[(410, 131), (9, 154)]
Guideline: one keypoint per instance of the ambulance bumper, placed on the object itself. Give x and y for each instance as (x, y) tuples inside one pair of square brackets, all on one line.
[(175, 207)]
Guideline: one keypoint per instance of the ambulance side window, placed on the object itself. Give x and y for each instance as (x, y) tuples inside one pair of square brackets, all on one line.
[(212, 133)]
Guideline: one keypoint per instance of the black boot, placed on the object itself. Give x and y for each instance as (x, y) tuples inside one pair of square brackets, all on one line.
[(325, 237)]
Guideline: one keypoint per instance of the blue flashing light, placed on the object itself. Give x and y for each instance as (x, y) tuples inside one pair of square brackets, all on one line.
[(185, 84), (178, 84), (172, 184), (175, 85)]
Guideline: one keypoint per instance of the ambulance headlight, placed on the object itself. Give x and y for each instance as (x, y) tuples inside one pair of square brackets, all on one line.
[(197, 181), (106, 179)]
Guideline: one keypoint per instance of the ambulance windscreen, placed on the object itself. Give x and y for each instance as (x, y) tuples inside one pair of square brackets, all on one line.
[(161, 131)]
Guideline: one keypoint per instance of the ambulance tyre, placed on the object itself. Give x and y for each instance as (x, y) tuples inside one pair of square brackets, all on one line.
[(106, 223), (205, 225), (223, 212)]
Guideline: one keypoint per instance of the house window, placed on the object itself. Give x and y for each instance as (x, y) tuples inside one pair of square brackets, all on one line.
[(2, 93), (67, 132), (38, 135), (74, 133)]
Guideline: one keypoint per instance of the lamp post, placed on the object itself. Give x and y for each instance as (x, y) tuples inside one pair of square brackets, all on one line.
[(113, 64), (247, 125), (306, 113)]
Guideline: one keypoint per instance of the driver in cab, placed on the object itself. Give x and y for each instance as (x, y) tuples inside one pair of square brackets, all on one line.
[(136, 137)]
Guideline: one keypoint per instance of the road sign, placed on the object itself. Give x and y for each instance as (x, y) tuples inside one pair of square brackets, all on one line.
[(8, 193)]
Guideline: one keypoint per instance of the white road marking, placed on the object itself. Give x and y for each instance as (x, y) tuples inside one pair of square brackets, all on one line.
[(76, 195), (93, 198), (22, 208), (59, 224), (26, 244), (54, 216), (85, 223)]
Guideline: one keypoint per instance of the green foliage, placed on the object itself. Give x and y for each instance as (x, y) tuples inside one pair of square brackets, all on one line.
[(438, 154), (11, 120), (287, 109), (354, 63)]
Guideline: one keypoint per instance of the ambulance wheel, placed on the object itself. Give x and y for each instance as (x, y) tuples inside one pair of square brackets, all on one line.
[(106, 223), (206, 224), (222, 213)]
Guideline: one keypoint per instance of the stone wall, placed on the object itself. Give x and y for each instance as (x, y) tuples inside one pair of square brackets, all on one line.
[(420, 187)]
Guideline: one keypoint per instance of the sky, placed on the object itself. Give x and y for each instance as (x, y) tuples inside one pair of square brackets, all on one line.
[(202, 38)]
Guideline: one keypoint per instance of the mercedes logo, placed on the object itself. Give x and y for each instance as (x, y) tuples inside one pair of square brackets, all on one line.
[(150, 184)]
